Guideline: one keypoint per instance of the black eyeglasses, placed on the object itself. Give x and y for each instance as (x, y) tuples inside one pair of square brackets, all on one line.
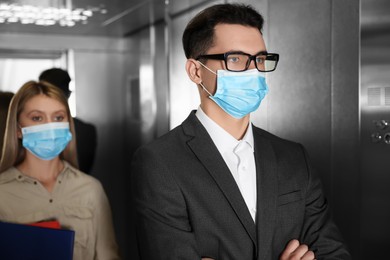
[(240, 61)]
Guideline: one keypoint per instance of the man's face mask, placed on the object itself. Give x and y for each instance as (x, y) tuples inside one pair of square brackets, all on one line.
[(46, 141), (238, 93)]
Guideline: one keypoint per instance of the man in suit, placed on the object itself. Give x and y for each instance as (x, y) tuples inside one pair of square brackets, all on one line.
[(86, 134), (217, 187)]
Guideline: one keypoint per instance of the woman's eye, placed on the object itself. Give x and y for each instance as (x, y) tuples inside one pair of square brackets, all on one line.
[(36, 118), (59, 118)]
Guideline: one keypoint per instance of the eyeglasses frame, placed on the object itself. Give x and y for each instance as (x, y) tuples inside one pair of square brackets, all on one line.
[(223, 56)]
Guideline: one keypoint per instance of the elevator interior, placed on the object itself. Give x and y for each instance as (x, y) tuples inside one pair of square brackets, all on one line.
[(127, 67), (375, 128)]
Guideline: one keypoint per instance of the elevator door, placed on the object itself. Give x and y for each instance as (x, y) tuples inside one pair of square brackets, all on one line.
[(375, 159)]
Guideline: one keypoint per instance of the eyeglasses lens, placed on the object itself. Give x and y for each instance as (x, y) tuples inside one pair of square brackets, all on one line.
[(239, 62)]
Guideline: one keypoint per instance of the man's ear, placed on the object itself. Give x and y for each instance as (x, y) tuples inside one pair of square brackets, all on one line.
[(193, 71)]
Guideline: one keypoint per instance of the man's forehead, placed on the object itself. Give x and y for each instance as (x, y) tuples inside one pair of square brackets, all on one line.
[(236, 37)]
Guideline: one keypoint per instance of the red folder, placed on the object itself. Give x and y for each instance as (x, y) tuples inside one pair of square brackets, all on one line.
[(47, 224)]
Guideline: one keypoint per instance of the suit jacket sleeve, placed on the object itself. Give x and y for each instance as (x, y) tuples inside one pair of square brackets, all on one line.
[(162, 223), (318, 230)]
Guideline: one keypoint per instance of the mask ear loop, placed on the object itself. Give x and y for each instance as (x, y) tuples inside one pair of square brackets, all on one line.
[(204, 66), (204, 88)]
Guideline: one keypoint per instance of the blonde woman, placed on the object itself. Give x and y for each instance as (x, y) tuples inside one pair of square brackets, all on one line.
[(39, 176)]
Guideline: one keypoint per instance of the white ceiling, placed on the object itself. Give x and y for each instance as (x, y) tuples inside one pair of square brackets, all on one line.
[(122, 17), (126, 16)]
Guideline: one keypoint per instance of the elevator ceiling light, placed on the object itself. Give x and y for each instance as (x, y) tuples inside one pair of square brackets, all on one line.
[(45, 16)]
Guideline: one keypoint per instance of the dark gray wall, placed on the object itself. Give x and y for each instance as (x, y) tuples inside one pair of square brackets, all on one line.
[(314, 96)]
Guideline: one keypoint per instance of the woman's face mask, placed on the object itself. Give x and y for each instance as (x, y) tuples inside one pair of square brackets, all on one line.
[(46, 141), (238, 93)]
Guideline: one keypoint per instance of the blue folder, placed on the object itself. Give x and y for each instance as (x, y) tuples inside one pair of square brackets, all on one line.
[(23, 242)]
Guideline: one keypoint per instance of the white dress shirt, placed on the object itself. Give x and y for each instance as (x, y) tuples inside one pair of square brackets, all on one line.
[(238, 156)]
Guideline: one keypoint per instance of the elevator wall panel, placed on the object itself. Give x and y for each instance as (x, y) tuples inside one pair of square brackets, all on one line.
[(345, 121), (375, 130), (300, 97), (313, 96)]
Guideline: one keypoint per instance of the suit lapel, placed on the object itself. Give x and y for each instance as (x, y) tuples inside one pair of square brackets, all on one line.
[(266, 192), (208, 154)]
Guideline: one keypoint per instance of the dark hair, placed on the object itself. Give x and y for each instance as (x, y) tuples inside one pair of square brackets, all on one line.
[(57, 77), (198, 36)]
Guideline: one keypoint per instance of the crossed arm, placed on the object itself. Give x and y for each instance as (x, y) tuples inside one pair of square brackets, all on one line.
[(294, 250)]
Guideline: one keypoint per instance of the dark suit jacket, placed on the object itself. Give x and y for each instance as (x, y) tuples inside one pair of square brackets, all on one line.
[(189, 206), (86, 142)]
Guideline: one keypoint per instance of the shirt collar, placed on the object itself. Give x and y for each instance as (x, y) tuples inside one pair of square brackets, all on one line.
[(13, 174), (9, 175), (221, 138)]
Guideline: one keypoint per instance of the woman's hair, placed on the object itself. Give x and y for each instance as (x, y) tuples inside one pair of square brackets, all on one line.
[(5, 100), (13, 150), (198, 36)]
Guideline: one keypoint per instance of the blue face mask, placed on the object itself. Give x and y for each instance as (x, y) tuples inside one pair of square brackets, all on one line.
[(46, 141), (239, 93)]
